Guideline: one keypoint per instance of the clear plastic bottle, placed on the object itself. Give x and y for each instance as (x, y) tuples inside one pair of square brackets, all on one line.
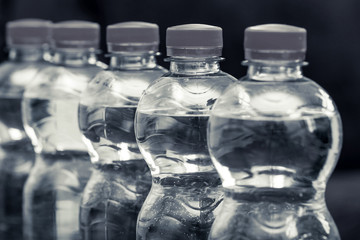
[(28, 42), (121, 178), (62, 168), (170, 128), (274, 138)]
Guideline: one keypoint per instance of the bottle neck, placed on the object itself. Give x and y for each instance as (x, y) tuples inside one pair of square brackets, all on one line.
[(274, 70), (194, 66), (74, 57), (29, 54), (133, 61)]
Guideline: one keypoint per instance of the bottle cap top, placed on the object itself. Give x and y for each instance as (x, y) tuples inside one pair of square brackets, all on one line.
[(76, 34), (275, 42), (28, 32), (194, 40), (132, 37)]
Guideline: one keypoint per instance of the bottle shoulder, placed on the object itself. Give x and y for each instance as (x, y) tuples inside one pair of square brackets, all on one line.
[(129, 75), (296, 97), (192, 83), (189, 93), (200, 75), (302, 87), (15, 76), (119, 87), (57, 81)]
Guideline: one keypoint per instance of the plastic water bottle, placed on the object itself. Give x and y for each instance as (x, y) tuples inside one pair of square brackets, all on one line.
[(28, 42), (53, 190), (171, 122), (274, 138), (121, 178)]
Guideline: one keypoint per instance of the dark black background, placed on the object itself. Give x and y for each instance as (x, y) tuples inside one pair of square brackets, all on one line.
[(333, 53)]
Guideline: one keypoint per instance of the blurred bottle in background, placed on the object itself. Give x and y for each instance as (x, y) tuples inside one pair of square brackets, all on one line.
[(53, 190), (171, 122), (121, 178), (28, 43), (275, 138)]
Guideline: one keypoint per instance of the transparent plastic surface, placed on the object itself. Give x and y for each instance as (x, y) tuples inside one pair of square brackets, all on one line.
[(62, 168), (274, 138), (121, 178), (170, 124), (16, 152)]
